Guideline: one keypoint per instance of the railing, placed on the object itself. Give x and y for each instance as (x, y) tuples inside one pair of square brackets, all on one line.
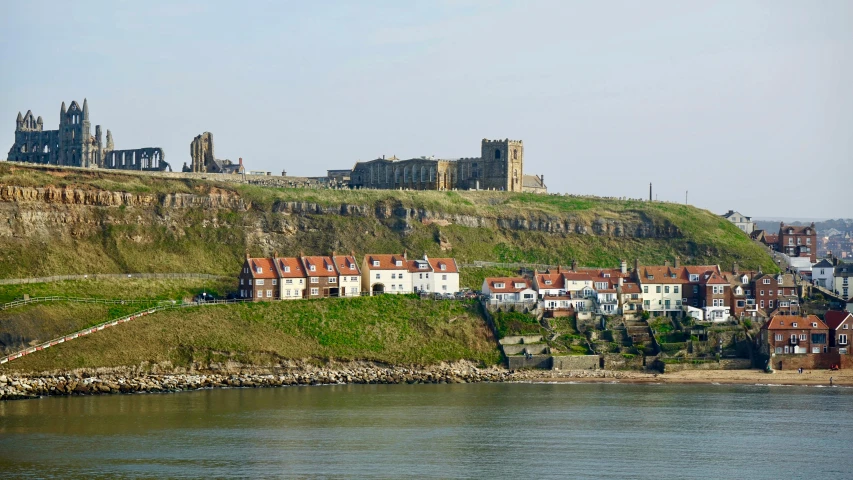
[(101, 276), (18, 303), (110, 323)]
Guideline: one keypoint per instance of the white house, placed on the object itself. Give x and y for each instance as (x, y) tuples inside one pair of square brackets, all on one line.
[(349, 275), (549, 284), (293, 278), (661, 289), (842, 281), (823, 274), (574, 282), (741, 221), (445, 275), (382, 273), (422, 275), (509, 289)]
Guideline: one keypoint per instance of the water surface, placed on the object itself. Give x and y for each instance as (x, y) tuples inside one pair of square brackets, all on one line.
[(437, 431)]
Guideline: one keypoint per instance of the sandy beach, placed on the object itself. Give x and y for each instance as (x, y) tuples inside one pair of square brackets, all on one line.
[(750, 377)]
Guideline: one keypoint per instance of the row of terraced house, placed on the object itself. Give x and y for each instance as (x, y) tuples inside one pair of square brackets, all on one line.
[(703, 292), (289, 278)]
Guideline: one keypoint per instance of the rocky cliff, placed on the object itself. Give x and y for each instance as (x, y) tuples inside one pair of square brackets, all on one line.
[(53, 225)]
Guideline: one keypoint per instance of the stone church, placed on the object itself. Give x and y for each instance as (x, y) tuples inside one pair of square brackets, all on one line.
[(499, 167), (73, 145)]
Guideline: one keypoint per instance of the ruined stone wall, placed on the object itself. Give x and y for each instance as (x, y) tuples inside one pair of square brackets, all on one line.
[(144, 159), (201, 152)]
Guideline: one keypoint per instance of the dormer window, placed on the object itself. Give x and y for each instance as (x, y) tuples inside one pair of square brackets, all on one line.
[(422, 266), (312, 268), (794, 324), (547, 282), (328, 268), (352, 266), (443, 266), (766, 281), (814, 324), (399, 263), (651, 277), (790, 231), (694, 277), (376, 263), (782, 323), (499, 285), (520, 285), (286, 268), (259, 270), (605, 275)]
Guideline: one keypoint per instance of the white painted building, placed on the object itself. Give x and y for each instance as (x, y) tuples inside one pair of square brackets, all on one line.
[(349, 275), (823, 274), (741, 221), (509, 290), (382, 273)]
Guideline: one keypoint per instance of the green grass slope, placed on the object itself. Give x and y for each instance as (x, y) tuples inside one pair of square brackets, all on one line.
[(391, 329), (90, 239)]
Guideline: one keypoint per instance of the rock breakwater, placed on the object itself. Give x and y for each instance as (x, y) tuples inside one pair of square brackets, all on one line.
[(131, 380)]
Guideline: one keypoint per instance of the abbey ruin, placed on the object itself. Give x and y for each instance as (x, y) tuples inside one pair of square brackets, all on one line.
[(73, 145), (499, 167), (202, 159)]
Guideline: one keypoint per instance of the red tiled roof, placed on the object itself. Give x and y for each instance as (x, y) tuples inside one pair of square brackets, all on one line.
[(835, 318), (295, 267), (386, 262), (509, 284), (579, 277), (555, 278), (630, 287), (343, 263), (266, 265), (715, 279), (661, 275), (786, 322), (448, 263), (323, 266)]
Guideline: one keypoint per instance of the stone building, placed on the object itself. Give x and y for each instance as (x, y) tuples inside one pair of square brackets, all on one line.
[(73, 144), (203, 160), (499, 167)]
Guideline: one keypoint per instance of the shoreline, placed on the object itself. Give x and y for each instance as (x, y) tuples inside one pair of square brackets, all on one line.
[(129, 380)]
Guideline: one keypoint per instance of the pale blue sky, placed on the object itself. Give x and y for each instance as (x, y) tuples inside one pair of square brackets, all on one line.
[(748, 105)]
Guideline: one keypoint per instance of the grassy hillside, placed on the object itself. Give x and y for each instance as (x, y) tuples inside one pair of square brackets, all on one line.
[(391, 329), (47, 238), (122, 288)]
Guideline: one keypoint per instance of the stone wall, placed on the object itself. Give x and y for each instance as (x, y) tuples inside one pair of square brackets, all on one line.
[(723, 364), (615, 361), (810, 361), (576, 362), (536, 361)]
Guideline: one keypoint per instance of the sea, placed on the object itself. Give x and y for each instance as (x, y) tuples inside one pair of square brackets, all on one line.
[(518, 430)]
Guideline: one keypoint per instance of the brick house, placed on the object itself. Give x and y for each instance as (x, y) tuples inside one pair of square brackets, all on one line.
[(791, 334), (322, 277), (840, 325), (292, 278), (349, 275), (776, 293), (797, 241), (259, 279)]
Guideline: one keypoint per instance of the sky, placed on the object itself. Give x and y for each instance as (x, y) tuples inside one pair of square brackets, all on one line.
[(743, 105)]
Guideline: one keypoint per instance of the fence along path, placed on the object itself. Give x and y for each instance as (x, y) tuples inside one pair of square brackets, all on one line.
[(108, 324), (105, 276), (19, 303)]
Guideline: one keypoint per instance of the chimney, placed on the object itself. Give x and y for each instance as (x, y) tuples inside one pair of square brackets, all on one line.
[(620, 281), (559, 269), (650, 191), (241, 161), (247, 256), (334, 254), (623, 266), (574, 265), (666, 263), (405, 255), (759, 270), (636, 266), (275, 254), (735, 268), (677, 261)]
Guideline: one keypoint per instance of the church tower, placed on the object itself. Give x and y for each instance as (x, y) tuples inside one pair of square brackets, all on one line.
[(503, 164)]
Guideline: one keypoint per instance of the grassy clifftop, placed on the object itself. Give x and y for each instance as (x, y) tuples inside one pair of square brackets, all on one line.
[(64, 221), (391, 329)]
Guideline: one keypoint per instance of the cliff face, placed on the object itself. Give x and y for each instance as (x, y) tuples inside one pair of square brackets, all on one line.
[(55, 230)]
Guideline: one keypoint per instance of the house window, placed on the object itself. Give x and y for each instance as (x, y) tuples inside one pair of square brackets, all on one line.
[(315, 291), (770, 304), (666, 289), (444, 277), (778, 349), (274, 281), (399, 287), (260, 293), (259, 281), (376, 263), (260, 270), (645, 288), (778, 337), (787, 349), (250, 281), (399, 263), (353, 290), (762, 304), (241, 281), (377, 276), (289, 281), (766, 281), (762, 292), (675, 289), (657, 289), (286, 268), (803, 337), (312, 268), (842, 339), (844, 327), (269, 293), (315, 279), (393, 276), (794, 324), (287, 293), (333, 280), (352, 266), (695, 289)]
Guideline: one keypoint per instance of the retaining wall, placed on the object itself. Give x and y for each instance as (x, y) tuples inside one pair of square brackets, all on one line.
[(576, 362)]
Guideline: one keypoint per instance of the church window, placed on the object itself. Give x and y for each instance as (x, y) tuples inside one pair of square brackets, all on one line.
[(423, 174), (515, 154), (497, 154), (431, 174)]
